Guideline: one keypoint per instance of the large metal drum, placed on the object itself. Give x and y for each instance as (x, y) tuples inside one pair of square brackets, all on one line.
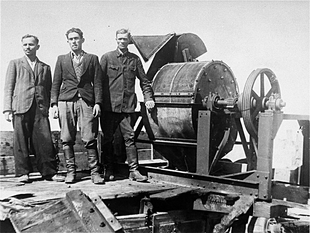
[(179, 90)]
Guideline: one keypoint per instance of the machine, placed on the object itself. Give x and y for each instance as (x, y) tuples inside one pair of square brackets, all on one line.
[(199, 114)]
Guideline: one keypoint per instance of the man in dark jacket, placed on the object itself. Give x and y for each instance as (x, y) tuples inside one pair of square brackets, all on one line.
[(27, 93), (76, 98), (120, 70)]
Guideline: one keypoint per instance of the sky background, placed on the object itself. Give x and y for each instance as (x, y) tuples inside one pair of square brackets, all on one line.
[(246, 35)]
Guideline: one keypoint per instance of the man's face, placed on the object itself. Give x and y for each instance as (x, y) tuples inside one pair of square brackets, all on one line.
[(122, 41), (75, 41), (30, 46)]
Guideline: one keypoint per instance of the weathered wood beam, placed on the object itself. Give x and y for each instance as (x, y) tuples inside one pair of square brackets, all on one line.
[(109, 218), (87, 212)]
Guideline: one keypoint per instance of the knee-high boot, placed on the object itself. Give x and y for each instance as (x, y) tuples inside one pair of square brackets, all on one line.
[(132, 158), (94, 167), (70, 164), (108, 162)]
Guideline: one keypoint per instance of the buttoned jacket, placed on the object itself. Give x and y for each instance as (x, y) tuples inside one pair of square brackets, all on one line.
[(120, 72), (23, 86), (66, 85)]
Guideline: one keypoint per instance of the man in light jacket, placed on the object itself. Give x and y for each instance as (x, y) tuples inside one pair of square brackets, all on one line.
[(26, 102)]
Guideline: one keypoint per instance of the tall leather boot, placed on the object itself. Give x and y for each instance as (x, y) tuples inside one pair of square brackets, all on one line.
[(108, 162), (94, 167), (70, 164), (132, 159)]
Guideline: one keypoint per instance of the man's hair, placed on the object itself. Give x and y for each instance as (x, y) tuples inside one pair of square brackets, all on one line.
[(77, 30), (124, 31), (29, 36)]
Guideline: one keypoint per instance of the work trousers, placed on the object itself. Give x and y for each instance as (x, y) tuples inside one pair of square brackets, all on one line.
[(32, 134), (109, 123), (77, 113)]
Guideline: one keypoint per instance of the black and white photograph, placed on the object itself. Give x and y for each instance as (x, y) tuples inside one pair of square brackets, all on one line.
[(155, 116)]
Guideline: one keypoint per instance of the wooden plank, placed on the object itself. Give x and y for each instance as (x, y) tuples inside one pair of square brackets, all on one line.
[(107, 214), (64, 221), (173, 193), (47, 190), (52, 217), (133, 221), (88, 213), (240, 207)]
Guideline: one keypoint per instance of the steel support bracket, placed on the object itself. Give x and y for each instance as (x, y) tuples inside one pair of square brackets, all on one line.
[(203, 142)]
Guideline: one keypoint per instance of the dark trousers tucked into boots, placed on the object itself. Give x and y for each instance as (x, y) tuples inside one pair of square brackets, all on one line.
[(94, 167), (70, 163), (132, 159), (108, 159), (109, 123)]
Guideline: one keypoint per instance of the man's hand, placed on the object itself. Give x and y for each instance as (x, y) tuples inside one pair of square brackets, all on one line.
[(55, 111), (149, 104), (96, 110), (8, 116)]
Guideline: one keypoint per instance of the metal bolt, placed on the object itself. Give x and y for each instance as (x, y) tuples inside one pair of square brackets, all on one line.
[(225, 69), (222, 77), (209, 80)]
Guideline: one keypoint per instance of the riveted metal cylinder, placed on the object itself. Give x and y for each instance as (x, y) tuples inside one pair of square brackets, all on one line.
[(180, 90)]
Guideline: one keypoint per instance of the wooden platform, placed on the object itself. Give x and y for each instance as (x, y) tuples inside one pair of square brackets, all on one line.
[(41, 190)]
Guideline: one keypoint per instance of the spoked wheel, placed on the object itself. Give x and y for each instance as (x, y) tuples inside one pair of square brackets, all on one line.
[(260, 85)]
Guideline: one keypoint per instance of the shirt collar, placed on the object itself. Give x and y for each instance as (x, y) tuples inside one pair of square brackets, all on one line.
[(73, 54), (31, 62), (120, 53)]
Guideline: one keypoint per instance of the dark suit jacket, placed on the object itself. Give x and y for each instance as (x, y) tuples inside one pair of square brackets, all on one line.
[(66, 85), (119, 75), (22, 86)]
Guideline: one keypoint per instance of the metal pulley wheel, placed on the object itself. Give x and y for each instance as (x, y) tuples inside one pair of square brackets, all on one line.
[(255, 96)]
